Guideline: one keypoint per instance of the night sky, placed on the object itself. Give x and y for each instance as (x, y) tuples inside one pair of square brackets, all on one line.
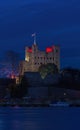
[(54, 21)]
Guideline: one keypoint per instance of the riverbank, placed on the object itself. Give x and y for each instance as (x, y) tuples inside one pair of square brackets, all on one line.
[(40, 105), (24, 105)]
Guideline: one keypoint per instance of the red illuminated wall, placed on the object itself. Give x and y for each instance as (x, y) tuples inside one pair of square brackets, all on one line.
[(30, 49), (49, 49)]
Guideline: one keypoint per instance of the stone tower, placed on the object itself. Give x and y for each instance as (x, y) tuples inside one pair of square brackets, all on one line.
[(34, 58)]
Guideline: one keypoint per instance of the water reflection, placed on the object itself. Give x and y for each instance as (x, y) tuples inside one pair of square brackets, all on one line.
[(17, 119), (39, 118)]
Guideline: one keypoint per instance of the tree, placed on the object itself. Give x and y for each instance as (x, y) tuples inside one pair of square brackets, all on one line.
[(43, 71), (71, 72), (12, 58), (23, 86), (20, 90), (12, 90), (51, 68), (48, 68), (70, 77)]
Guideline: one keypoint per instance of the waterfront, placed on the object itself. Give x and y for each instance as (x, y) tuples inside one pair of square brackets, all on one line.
[(17, 118)]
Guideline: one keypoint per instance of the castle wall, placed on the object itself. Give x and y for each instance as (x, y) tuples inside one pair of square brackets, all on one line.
[(34, 58), (38, 87)]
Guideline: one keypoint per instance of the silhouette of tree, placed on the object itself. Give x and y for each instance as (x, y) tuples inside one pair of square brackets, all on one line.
[(43, 71), (12, 58), (70, 77), (20, 90), (71, 72), (48, 68), (23, 86), (12, 90)]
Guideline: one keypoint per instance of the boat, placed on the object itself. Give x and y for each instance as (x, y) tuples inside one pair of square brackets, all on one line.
[(59, 104)]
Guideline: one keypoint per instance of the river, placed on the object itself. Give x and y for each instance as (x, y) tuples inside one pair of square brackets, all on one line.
[(17, 118)]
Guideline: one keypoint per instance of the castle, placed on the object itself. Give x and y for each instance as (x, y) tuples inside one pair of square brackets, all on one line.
[(34, 58)]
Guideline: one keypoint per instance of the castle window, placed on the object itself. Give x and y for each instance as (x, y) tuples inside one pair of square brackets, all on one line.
[(35, 63), (35, 57), (50, 58), (38, 57)]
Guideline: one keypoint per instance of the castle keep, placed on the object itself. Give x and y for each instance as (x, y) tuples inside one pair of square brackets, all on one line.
[(34, 58)]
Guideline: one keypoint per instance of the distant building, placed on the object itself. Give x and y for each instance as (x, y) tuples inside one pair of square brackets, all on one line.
[(34, 58)]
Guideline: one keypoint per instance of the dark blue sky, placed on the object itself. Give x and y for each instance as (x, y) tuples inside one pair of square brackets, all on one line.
[(54, 21)]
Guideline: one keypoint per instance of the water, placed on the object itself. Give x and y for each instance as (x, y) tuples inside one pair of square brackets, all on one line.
[(39, 118)]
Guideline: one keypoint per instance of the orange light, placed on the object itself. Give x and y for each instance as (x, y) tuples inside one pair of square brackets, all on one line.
[(12, 76)]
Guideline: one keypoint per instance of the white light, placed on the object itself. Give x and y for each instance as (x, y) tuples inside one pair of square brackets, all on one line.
[(27, 58)]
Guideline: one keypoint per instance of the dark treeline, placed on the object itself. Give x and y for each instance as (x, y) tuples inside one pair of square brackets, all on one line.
[(18, 90), (70, 78)]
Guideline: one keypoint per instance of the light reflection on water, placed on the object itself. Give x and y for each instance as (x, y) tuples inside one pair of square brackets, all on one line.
[(39, 118)]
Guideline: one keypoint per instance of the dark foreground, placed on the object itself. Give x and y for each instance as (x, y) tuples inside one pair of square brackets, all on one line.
[(19, 118)]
